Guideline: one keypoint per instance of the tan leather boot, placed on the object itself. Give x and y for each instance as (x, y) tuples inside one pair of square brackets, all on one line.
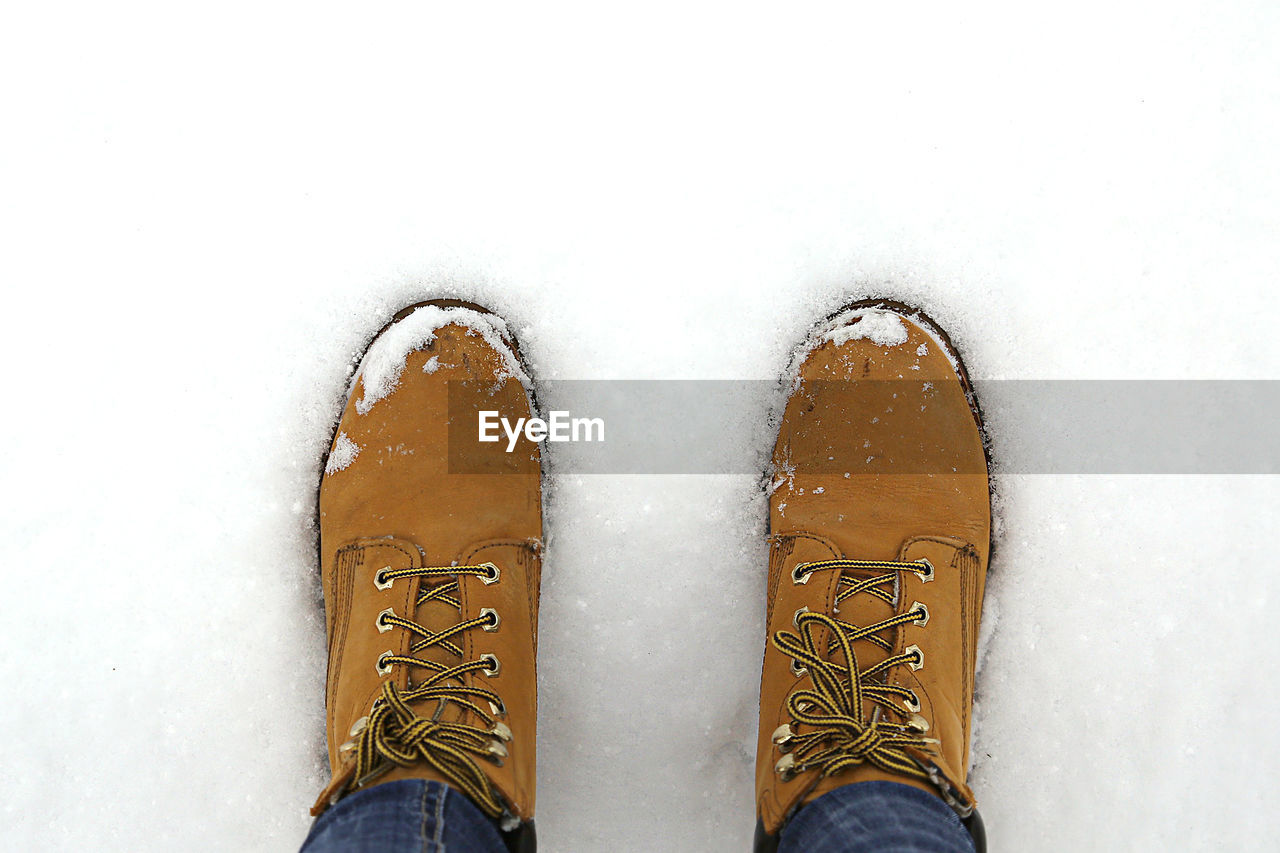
[(880, 524), (429, 545)]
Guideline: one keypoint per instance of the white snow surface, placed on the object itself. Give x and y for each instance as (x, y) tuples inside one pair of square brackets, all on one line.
[(384, 361), (880, 327), (344, 452), (209, 211)]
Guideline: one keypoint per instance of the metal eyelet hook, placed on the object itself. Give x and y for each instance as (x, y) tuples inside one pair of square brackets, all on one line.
[(917, 662), (912, 704), (797, 670), (923, 619), (493, 574), (383, 625), (380, 580), (796, 576), (493, 666), (929, 570), (795, 620), (384, 666), (918, 724), (782, 736), (494, 622)]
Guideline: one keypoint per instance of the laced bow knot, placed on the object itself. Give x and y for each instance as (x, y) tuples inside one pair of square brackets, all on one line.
[(395, 734), (851, 716)]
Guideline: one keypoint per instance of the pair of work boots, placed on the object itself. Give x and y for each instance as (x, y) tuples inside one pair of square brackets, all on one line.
[(879, 524)]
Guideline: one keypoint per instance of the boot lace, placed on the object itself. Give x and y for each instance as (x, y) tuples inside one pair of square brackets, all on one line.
[(853, 716), (394, 734)]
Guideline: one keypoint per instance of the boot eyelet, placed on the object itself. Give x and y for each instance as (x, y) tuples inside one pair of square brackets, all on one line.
[(786, 767), (494, 619), (358, 726), (497, 749), (498, 709), (383, 625), (795, 620), (918, 724), (782, 736), (912, 703), (380, 579), (492, 575), (928, 572), (923, 619), (917, 661), (502, 732), (798, 576), (493, 666), (384, 665), (797, 670)]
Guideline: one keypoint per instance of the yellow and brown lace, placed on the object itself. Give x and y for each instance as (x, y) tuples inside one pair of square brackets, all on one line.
[(853, 716), (395, 734)]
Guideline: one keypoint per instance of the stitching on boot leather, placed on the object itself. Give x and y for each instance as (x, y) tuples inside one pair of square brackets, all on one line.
[(346, 559), (968, 581), (521, 545), (388, 543), (403, 604), (782, 547), (776, 581), (949, 541), (968, 584), (524, 552)]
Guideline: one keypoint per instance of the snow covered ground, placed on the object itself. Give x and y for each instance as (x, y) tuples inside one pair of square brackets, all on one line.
[(206, 210)]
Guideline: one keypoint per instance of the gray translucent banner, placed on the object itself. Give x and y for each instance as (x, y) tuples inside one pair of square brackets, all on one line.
[(729, 427)]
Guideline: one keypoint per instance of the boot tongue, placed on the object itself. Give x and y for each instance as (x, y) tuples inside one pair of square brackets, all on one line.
[(865, 609), (437, 615)]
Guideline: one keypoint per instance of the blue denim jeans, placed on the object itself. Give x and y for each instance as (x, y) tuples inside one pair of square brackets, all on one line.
[(427, 816), (884, 817), (408, 814)]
